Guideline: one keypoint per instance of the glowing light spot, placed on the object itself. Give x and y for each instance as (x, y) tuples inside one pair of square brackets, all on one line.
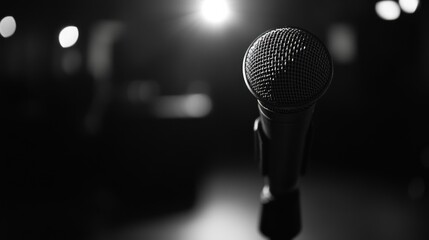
[(342, 43), (409, 6), (68, 36), (215, 11), (7, 26), (266, 194), (195, 105), (388, 10)]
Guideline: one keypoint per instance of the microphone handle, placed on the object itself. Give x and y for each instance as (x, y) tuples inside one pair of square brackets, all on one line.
[(282, 143)]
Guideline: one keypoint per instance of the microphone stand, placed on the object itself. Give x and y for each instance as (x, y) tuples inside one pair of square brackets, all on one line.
[(280, 216)]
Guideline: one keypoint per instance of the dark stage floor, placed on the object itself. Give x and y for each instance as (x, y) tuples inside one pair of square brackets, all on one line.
[(336, 204)]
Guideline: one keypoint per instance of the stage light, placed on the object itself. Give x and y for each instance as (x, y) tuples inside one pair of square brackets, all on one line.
[(388, 10), (7, 26), (68, 36), (215, 11), (409, 6)]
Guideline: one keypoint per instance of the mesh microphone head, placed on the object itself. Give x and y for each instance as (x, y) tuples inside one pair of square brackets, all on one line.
[(287, 69)]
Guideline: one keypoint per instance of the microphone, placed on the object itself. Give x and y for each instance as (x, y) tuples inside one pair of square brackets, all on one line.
[(287, 70)]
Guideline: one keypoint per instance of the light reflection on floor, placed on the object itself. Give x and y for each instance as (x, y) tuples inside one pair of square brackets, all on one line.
[(228, 209), (334, 206)]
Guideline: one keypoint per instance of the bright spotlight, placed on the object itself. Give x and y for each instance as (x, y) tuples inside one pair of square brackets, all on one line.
[(387, 10), (409, 6), (215, 11), (7, 26), (68, 36)]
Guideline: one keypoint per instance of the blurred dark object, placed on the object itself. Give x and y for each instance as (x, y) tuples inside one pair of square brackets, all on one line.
[(56, 177), (60, 179)]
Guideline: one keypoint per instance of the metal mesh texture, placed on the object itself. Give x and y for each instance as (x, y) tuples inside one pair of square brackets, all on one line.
[(287, 69)]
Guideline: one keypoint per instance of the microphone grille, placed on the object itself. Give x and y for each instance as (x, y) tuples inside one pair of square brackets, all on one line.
[(287, 68)]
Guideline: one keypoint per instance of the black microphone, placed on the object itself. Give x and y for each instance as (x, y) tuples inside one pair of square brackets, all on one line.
[(287, 70)]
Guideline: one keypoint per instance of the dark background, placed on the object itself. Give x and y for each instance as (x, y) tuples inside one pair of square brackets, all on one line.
[(81, 159)]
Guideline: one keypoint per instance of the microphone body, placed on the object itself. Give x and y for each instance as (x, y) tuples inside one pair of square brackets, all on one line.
[(287, 70), (282, 142)]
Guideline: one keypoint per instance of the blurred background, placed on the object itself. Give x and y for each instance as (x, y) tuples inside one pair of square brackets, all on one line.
[(131, 120)]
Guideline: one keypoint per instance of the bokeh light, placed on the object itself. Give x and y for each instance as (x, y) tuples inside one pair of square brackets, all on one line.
[(409, 6), (7, 26), (388, 10), (196, 105), (68, 36), (342, 43)]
